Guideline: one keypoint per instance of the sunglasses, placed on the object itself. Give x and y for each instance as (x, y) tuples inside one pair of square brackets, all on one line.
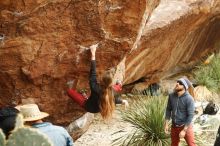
[(180, 83)]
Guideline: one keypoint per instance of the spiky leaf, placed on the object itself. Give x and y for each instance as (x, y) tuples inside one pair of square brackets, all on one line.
[(2, 138)]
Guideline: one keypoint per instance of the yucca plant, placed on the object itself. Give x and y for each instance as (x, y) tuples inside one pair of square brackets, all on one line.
[(209, 74), (147, 119)]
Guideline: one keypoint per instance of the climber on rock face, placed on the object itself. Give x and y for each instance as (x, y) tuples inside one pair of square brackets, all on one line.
[(101, 98)]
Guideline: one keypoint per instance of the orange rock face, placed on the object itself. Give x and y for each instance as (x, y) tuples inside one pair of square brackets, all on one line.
[(43, 45)]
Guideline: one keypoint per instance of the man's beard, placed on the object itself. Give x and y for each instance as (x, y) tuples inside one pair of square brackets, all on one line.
[(178, 89)]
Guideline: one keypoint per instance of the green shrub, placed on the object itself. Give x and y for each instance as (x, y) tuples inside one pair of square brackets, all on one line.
[(147, 118), (209, 74)]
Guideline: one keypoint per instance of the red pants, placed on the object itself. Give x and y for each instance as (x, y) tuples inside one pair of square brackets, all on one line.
[(189, 137), (77, 97)]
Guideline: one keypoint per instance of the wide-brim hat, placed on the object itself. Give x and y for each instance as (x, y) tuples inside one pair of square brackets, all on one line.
[(31, 112)]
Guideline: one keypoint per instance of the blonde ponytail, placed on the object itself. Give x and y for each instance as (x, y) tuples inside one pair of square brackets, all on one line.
[(107, 104)]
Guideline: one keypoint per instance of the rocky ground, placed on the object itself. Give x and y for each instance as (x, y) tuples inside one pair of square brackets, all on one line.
[(100, 133)]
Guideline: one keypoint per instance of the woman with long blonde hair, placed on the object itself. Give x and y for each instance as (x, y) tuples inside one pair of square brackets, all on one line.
[(101, 98)]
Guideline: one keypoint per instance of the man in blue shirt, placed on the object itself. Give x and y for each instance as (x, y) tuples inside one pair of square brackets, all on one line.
[(57, 134), (180, 108)]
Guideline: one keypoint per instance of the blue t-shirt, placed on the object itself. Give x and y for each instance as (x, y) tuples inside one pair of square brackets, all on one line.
[(57, 134)]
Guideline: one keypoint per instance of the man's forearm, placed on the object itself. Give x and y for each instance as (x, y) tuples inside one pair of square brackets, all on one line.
[(93, 57)]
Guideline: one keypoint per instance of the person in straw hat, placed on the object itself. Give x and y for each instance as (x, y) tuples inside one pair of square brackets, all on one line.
[(33, 117)]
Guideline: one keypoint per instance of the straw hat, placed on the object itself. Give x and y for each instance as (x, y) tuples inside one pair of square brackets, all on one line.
[(31, 112)]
